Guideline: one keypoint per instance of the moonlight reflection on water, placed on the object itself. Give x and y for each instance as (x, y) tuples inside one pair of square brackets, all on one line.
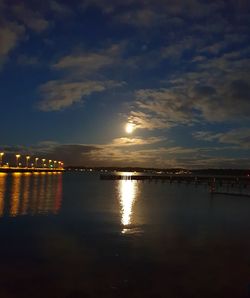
[(128, 192)]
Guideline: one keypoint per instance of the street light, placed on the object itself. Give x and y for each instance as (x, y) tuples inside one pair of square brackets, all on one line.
[(17, 158), (36, 160), (43, 160), (55, 163), (1, 158), (27, 161)]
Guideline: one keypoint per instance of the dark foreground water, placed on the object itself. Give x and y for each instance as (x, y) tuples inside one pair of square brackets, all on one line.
[(72, 235)]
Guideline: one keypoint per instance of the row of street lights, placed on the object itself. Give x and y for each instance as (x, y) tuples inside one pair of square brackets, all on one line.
[(51, 163)]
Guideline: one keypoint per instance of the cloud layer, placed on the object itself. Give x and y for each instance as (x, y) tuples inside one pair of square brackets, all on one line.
[(178, 70)]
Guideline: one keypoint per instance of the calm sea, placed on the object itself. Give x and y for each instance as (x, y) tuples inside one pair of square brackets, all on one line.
[(72, 235)]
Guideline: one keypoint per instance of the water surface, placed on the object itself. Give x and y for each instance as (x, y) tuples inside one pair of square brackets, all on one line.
[(73, 235)]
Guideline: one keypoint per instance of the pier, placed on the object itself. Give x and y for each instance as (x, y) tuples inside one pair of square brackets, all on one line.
[(180, 178), (218, 185), (28, 164), (29, 170)]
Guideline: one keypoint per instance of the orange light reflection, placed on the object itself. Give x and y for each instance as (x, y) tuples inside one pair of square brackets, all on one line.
[(2, 191), (15, 195), (32, 194)]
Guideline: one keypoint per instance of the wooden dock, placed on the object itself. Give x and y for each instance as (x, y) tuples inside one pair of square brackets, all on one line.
[(217, 185), (233, 194), (181, 178)]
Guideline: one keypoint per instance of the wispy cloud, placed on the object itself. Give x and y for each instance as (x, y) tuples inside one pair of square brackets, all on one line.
[(161, 108), (208, 93), (60, 94), (121, 142), (60, 8), (81, 74), (176, 48), (31, 18), (144, 17), (145, 120), (239, 137), (89, 62), (11, 33)]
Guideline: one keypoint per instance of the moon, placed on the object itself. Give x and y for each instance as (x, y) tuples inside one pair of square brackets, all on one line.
[(129, 128)]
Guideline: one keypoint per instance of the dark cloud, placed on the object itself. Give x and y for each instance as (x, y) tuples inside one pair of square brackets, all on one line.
[(204, 91), (70, 154), (239, 89), (73, 154)]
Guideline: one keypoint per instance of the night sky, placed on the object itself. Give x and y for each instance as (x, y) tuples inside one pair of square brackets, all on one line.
[(74, 73)]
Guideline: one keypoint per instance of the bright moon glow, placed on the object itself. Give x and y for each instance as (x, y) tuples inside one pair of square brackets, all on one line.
[(129, 127)]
